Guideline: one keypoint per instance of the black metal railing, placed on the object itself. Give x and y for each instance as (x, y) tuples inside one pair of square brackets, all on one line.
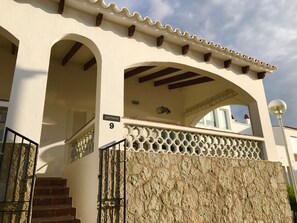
[(18, 158), (112, 183)]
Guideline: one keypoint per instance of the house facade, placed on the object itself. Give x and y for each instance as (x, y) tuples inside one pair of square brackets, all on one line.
[(291, 137), (78, 75)]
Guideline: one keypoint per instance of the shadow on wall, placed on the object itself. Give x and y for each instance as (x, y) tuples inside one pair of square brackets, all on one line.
[(19, 95), (52, 8), (51, 160)]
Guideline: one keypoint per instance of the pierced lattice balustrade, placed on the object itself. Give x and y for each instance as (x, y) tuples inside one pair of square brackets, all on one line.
[(81, 143), (187, 142)]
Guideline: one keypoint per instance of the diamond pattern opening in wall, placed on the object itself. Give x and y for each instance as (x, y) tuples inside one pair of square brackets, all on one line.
[(153, 139), (173, 149), (156, 147)]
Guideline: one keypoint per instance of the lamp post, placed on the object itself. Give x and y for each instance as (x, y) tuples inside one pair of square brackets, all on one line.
[(278, 107)]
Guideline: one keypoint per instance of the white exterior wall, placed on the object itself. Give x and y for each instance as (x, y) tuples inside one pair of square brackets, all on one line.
[(38, 26), (280, 145), (67, 85)]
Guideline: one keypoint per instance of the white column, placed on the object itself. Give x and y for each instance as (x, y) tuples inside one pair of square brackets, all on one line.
[(262, 127), (111, 100), (27, 97)]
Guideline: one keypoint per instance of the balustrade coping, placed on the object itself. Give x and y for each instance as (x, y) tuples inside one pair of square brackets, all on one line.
[(176, 127), (82, 129)]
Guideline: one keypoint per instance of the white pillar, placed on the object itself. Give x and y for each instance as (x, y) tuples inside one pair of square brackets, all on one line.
[(262, 127), (28, 90), (111, 102)]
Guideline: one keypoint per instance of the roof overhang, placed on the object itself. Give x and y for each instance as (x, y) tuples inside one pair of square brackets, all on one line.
[(145, 25)]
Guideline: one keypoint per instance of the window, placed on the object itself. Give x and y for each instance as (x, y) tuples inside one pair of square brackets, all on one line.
[(218, 118), (210, 120), (223, 118), (293, 141)]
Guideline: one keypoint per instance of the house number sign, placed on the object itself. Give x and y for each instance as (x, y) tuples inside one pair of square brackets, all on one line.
[(112, 118)]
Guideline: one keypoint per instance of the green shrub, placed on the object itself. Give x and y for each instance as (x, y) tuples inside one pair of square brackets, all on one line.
[(292, 198)]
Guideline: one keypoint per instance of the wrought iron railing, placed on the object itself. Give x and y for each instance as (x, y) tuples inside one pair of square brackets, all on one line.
[(112, 183), (81, 143), (17, 177), (165, 138)]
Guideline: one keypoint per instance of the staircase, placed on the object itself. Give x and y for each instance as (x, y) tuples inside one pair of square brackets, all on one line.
[(51, 202)]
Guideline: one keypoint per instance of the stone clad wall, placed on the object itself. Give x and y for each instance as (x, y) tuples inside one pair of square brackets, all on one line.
[(189, 189)]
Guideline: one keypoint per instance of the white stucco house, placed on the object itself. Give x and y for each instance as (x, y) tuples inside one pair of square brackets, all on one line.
[(77, 75), (222, 119), (291, 137)]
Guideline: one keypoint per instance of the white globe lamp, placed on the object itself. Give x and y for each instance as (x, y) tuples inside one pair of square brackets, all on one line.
[(277, 107)]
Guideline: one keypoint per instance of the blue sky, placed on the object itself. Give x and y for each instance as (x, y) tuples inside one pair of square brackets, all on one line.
[(266, 30)]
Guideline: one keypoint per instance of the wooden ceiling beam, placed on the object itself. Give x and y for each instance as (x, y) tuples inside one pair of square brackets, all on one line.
[(161, 73), (99, 19), (207, 57), (131, 30), (160, 40), (185, 49), (61, 6), (89, 64), (137, 70), (76, 46), (190, 82), (245, 69), (227, 63), (14, 49), (175, 78), (261, 75)]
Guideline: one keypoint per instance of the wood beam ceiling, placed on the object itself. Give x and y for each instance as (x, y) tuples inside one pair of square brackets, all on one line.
[(71, 52), (207, 57), (131, 30), (261, 75), (89, 64), (99, 19), (160, 40), (185, 49), (176, 78), (137, 70), (227, 63), (245, 69), (190, 82), (61, 6), (14, 49), (157, 74)]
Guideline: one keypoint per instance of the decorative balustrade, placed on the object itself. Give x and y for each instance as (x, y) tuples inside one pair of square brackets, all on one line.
[(81, 143), (146, 136)]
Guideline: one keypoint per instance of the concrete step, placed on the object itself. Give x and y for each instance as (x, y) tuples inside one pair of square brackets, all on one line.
[(63, 219), (51, 202), (51, 191), (53, 212)]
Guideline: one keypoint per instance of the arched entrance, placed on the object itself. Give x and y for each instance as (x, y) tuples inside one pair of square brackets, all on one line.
[(165, 101), (69, 104), (8, 55), (177, 94)]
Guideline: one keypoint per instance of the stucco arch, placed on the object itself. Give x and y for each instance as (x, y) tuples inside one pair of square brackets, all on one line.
[(70, 100), (82, 39)]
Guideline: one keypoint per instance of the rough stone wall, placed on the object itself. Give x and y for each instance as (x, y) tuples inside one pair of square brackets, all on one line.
[(167, 188), (17, 169)]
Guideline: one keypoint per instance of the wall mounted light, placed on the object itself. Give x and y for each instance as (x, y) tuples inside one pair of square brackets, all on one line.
[(162, 109)]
